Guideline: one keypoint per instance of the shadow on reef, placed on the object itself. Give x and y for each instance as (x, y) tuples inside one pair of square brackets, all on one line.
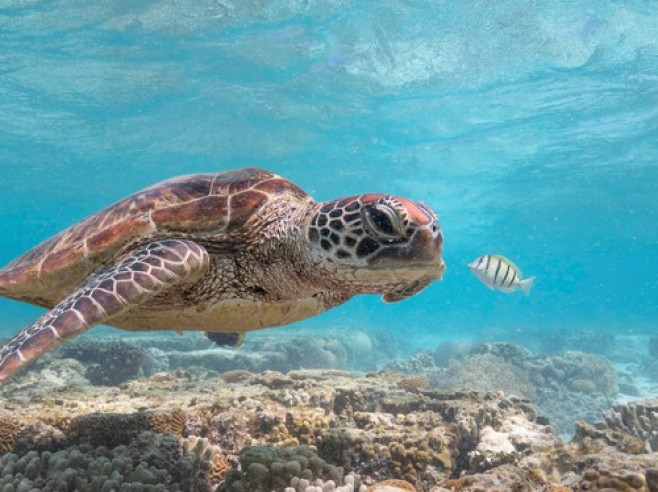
[(112, 361), (307, 430)]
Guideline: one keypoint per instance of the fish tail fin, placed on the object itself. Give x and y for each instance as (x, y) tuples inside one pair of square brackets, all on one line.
[(526, 285)]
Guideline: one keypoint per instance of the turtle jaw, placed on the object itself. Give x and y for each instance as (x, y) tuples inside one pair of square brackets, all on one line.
[(433, 269), (417, 262), (400, 271), (383, 279)]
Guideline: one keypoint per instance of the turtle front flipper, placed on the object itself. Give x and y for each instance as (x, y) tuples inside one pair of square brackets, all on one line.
[(148, 271), (234, 339)]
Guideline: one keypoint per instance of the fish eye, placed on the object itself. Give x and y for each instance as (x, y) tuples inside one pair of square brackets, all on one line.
[(383, 220)]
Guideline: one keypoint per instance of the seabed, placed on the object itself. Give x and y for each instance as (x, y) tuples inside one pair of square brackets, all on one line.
[(177, 414)]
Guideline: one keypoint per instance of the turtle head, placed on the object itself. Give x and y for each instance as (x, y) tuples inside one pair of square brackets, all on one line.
[(378, 244)]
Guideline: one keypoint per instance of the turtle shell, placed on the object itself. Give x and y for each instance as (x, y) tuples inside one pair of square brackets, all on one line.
[(188, 206)]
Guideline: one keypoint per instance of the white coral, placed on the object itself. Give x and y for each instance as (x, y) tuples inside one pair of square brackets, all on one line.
[(350, 481)]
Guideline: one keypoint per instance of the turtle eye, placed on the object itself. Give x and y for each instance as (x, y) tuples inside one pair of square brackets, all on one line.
[(383, 220)]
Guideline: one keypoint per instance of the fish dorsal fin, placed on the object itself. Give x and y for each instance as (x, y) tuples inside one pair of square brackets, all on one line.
[(519, 273)]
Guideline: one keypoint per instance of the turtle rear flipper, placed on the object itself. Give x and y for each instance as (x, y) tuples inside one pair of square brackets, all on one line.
[(150, 270), (234, 339)]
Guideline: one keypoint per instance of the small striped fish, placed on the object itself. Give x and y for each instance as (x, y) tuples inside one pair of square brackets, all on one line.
[(497, 272)]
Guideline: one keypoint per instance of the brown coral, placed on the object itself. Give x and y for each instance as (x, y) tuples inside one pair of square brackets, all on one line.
[(307, 426), (639, 419), (414, 383), (219, 465), (9, 428), (450, 484), (201, 449), (393, 485), (168, 423), (601, 477), (236, 376), (113, 429)]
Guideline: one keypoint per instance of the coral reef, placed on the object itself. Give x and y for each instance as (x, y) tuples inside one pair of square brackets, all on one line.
[(573, 386), (218, 465), (601, 477), (451, 349), (46, 377), (151, 462), (9, 428), (418, 363), (486, 372), (113, 429), (379, 427), (414, 382), (107, 362), (571, 367), (509, 352), (638, 419), (565, 387), (614, 458), (112, 361), (328, 430), (352, 483), (555, 341), (391, 486), (156, 361), (267, 468)]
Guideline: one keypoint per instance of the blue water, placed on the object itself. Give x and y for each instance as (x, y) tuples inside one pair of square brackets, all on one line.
[(531, 127)]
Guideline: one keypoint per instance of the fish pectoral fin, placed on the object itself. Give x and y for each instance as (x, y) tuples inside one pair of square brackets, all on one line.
[(233, 339)]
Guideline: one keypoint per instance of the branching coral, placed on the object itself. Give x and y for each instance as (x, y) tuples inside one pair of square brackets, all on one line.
[(638, 419), (109, 362), (216, 464)]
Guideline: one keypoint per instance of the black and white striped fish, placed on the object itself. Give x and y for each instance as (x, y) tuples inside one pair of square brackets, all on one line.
[(497, 272)]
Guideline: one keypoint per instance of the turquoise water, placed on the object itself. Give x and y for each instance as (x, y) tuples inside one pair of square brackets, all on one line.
[(530, 127)]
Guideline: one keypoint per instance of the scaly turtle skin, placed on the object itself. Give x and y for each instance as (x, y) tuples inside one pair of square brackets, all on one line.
[(223, 253)]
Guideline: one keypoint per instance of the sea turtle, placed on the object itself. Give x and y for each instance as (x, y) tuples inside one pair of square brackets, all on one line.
[(223, 253)]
